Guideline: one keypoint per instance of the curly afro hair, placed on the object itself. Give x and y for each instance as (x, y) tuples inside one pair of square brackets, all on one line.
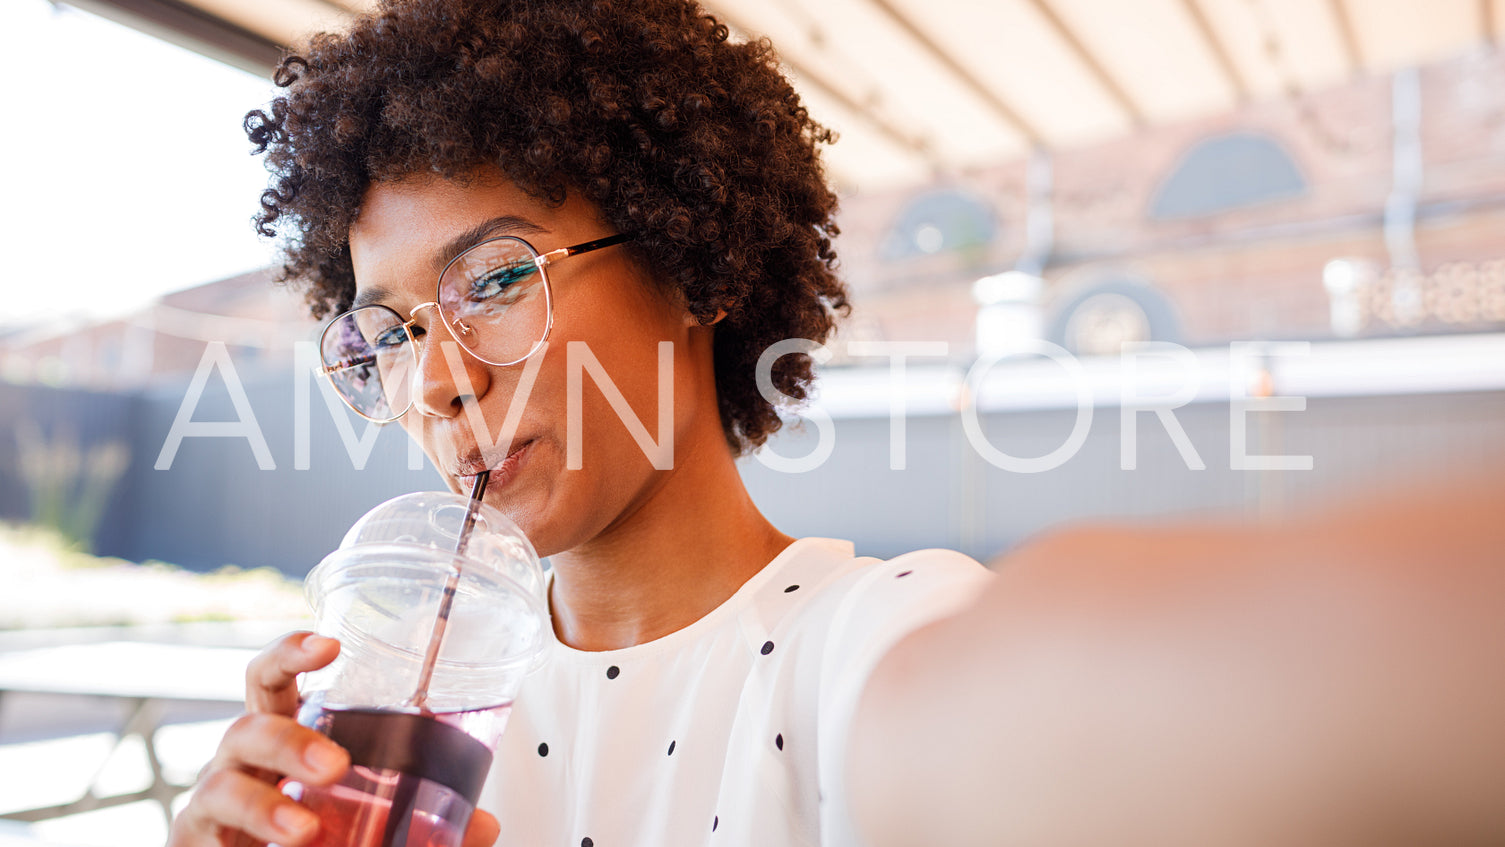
[(697, 144)]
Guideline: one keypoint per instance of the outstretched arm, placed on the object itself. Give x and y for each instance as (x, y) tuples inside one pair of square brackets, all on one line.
[(1334, 681)]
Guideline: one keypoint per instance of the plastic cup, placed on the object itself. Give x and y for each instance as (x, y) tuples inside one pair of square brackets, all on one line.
[(417, 769)]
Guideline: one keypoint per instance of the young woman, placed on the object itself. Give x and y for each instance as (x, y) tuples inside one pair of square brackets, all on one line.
[(1228, 686), (707, 666)]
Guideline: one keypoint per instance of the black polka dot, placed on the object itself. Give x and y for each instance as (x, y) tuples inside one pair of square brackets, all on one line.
[(671, 747), (902, 574), (714, 822), (778, 741), (543, 749), (767, 648), (611, 672), (791, 588), (587, 842)]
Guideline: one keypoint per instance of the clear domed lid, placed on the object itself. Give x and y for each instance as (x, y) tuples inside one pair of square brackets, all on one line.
[(433, 520), (381, 592)]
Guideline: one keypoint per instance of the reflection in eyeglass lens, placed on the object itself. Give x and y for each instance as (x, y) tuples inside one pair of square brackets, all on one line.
[(494, 299), (368, 360)]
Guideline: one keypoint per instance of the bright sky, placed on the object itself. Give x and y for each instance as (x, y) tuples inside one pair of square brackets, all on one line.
[(127, 173)]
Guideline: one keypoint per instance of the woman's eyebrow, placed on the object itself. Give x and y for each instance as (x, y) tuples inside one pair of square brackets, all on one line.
[(367, 296), (500, 225)]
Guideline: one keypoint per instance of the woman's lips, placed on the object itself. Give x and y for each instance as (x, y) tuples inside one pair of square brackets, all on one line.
[(501, 471)]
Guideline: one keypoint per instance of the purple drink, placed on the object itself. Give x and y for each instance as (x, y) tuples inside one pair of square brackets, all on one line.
[(414, 778)]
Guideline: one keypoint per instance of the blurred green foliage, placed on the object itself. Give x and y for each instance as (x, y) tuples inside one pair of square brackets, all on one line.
[(69, 485)]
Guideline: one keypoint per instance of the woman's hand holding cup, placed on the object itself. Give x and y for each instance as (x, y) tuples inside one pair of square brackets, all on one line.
[(237, 801)]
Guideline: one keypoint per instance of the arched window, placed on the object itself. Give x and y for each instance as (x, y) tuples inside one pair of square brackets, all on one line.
[(939, 221), (1227, 172)]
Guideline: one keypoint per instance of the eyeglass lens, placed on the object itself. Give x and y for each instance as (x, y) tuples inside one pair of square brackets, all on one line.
[(370, 361), (494, 299)]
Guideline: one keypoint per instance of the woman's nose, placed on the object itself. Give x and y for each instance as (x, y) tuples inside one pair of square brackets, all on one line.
[(445, 375)]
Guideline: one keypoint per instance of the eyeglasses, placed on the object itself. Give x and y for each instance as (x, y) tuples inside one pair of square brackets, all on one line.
[(495, 299)]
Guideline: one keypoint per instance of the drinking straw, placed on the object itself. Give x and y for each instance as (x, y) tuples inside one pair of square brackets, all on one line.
[(436, 640)]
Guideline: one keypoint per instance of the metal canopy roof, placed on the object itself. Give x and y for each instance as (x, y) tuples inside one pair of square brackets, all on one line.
[(918, 88)]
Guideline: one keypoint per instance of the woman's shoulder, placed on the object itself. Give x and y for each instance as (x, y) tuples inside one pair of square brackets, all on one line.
[(842, 589), (839, 569)]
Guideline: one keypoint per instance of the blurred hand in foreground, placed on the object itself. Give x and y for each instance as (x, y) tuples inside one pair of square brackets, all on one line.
[(1337, 680)]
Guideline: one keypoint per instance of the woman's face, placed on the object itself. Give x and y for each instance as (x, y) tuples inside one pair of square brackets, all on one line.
[(408, 230)]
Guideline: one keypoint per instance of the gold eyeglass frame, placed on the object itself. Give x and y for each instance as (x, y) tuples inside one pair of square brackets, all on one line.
[(458, 326)]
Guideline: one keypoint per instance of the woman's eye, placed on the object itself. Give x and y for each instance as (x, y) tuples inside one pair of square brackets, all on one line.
[(499, 279), (389, 339)]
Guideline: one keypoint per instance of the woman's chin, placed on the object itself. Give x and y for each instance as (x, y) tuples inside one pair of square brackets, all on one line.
[(539, 530)]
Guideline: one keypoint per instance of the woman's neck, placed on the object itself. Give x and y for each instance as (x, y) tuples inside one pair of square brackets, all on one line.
[(691, 543)]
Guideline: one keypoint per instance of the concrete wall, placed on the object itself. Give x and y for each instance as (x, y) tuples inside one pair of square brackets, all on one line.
[(214, 505), (950, 496)]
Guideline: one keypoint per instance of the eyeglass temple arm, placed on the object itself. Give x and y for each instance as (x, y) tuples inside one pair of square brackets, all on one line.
[(556, 255)]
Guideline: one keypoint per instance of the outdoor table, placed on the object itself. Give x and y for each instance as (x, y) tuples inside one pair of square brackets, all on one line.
[(147, 677)]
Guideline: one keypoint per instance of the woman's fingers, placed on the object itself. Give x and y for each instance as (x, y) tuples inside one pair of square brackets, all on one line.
[(236, 801), (237, 793), (272, 677), (483, 830), (264, 743), (227, 802)]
